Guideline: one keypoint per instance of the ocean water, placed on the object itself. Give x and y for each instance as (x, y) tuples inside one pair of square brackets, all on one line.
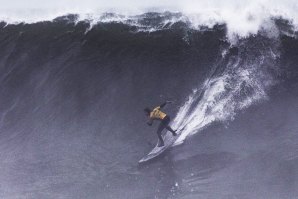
[(73, 90)]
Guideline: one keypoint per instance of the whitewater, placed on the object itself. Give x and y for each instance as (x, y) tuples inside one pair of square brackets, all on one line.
[(241, 18)]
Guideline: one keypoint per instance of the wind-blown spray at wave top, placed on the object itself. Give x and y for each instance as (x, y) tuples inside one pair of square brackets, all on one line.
[(243, 80)]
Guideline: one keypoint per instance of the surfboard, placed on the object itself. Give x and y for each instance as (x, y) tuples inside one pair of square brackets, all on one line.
[(169, 140)]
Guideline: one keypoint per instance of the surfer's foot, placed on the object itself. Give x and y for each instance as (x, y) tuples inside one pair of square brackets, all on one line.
[(160, 144), (174, 133)]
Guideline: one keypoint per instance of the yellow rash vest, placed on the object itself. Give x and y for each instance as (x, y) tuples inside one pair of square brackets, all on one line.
[(157, 114)]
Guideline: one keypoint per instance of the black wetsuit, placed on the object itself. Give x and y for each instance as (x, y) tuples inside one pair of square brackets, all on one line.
[(164, 124)]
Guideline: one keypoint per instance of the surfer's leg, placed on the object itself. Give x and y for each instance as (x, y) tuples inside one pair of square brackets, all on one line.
[(166, 123), (171, 130), (159, 130)]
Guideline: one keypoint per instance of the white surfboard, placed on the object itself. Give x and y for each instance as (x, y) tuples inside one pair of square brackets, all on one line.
[(169, 140)]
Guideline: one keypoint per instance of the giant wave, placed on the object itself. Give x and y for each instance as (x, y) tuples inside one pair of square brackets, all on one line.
[(73, 89)]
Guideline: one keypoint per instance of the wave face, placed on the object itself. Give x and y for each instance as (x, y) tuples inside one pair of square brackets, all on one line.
[(73, 90)]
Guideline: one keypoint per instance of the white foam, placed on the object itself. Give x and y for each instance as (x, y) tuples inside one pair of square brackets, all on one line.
[(242, 17), (242, 83)]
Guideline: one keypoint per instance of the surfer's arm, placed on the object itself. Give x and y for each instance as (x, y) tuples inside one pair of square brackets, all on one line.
[(163, 104), (166, 102), (150, 122)]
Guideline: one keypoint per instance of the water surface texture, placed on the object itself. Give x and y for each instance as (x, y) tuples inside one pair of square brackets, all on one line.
[(73, 91)]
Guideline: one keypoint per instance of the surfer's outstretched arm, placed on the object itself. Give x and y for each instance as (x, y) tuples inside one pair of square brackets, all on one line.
[(163, 104), (150, 122), (166, 102)]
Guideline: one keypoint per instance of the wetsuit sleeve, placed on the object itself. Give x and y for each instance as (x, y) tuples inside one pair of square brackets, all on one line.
[(150, 122), (163, 104)]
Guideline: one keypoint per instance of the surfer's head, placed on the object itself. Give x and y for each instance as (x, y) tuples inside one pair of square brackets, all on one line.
[(147, 111)]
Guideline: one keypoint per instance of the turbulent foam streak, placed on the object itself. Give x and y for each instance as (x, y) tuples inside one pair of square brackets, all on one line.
[(241, 84), (241, 18)]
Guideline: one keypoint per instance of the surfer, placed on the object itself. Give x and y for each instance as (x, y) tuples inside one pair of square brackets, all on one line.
[(157, 114)]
